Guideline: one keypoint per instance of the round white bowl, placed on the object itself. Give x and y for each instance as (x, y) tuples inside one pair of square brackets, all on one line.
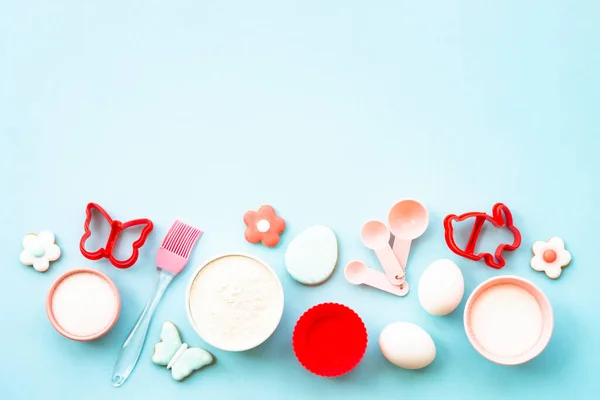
[(222, 346)]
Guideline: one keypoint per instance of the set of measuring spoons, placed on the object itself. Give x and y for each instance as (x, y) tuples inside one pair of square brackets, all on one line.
[(407, 220)]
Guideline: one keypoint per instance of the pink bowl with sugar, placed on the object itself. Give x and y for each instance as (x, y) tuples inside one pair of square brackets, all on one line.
[(508, 320), (83, 304)]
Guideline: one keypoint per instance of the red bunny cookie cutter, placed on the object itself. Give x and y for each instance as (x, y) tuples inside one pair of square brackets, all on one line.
[(501, 217), (116, 227)]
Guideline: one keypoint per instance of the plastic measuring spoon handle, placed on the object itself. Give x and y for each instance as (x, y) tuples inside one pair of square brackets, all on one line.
[(392, 267), (378, 280), (401, 249)]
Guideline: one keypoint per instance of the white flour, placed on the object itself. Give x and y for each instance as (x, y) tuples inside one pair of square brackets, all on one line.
[(507, 320), (235, 302), (84, 304)]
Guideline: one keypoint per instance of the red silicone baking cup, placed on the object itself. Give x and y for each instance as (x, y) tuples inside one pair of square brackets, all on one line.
[(329, 340)]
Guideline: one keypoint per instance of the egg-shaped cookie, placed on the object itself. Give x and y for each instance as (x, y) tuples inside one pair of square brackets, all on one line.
[(311, 256)]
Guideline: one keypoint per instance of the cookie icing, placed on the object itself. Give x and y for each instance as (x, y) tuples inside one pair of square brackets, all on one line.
[(177, 356), (311, 256), (550, 257), (263, 226), (39, 250)]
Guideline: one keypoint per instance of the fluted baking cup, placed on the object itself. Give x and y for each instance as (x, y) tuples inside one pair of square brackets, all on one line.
[(329, 339)]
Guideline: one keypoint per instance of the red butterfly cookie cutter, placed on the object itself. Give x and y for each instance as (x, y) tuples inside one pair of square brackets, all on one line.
[(116, 227), (501, 217)]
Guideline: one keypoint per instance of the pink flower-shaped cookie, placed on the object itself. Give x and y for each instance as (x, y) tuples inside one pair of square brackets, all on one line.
[(550, 257), (263, 226)]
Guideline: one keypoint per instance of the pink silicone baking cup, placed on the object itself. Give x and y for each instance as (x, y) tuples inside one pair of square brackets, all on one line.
[(55, 323), (329, 340), (547, 320)]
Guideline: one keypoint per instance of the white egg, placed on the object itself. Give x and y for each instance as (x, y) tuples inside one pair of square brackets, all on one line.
[(312, 256), (441, 287), (407, 345)]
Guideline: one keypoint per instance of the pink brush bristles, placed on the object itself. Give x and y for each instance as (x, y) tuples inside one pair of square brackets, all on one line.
[(177, 246), (172, 256)]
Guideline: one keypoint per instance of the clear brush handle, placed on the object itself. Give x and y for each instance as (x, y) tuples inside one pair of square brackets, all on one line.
[(133, 345)]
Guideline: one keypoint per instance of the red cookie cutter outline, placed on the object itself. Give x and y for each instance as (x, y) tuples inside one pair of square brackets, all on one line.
[(116, 227), (501, 217)]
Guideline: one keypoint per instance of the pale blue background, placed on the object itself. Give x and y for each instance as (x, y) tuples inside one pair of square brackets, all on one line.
[(330, 111)]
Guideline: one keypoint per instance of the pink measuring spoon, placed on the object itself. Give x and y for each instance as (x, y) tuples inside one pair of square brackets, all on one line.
[(408, 219), (357, 273), (376, 236)]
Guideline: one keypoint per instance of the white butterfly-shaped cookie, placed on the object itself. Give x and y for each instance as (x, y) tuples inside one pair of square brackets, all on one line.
[(172, 352)]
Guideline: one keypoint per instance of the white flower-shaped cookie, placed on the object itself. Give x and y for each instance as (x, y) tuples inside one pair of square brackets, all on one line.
[(550, 257), (39, 250)]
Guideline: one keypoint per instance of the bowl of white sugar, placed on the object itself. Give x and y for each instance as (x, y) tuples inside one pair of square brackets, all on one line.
[(83, 304), (234, 302), (508, 320)]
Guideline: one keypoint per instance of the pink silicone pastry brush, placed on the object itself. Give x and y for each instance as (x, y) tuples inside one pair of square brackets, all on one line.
[(171, 258)]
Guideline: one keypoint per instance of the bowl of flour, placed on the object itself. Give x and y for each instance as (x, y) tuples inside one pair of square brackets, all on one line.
[(234, 302)]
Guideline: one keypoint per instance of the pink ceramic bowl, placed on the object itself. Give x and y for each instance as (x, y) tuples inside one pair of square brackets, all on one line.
[(483, 319), (83, 304)]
